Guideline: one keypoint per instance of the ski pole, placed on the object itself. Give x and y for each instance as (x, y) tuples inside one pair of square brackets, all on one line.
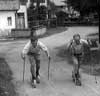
[(95, 77), (48, 68), (23, 69)]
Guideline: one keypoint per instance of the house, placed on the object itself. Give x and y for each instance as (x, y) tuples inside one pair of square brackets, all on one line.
[(22, 22), (13, 14)]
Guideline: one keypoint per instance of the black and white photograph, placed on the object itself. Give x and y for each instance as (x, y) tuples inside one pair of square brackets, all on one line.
[(49, 48)]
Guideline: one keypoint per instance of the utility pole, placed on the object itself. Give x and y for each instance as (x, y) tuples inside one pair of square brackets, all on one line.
[(48, 7)]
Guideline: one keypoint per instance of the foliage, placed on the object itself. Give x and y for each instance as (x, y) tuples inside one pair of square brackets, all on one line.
[(83, 6), (61, 16), (40, 12), (36, 14)]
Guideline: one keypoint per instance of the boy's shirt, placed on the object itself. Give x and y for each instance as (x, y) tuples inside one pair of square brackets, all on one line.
[(77, 48)]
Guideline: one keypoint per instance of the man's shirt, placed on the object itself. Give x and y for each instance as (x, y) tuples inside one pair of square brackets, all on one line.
[(30, 49)]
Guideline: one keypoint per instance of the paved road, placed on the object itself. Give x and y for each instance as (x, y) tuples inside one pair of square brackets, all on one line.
[(60, 83)]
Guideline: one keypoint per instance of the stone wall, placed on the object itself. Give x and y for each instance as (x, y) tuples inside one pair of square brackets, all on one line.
[(21, 33)]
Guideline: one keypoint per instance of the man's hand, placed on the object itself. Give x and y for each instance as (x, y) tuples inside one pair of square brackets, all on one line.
[(23, 56), (49, 57)]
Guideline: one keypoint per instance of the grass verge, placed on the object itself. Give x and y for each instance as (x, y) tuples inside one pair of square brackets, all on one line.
[(52, 31), (6, 86)]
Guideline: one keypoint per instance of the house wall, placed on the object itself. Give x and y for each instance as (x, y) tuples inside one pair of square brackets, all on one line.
[(4, 21), (23, 9)]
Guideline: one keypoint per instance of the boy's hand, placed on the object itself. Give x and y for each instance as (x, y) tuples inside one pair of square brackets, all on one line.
[(23, 56)]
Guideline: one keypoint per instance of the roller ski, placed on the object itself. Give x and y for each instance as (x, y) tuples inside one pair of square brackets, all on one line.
[(33, 83), (76, 79), (38, 79)]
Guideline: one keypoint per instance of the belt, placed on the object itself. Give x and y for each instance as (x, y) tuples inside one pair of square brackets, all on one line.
[(30, 53)]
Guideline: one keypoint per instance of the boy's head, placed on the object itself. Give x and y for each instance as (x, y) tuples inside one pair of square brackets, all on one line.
[(77, 38)]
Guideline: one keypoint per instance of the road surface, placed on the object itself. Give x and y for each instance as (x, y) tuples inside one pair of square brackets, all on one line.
[(60, 83)]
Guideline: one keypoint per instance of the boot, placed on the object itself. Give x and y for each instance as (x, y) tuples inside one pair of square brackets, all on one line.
[(38, 79), (34, 83), (78, 81)]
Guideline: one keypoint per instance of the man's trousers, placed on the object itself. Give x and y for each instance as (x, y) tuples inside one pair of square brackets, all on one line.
[(35, 65)]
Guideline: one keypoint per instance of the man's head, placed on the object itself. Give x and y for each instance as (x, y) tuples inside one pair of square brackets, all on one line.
[(34, 41), (77, 37), (33, 37)]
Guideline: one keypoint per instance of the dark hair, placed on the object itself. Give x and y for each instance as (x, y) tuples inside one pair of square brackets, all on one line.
[(33, 36), (32, 28), (76, 35)]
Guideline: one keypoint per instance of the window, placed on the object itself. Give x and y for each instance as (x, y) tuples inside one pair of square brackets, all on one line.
[(9, 21)]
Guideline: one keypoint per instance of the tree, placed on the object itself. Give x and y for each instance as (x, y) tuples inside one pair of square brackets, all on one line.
[(36, 13), (42, 10), (61, 15), (83, 6)]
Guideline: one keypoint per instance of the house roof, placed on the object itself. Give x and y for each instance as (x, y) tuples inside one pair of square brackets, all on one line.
[(6, 5)]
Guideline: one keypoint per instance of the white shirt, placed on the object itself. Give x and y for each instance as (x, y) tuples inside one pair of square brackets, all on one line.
[(29, 48), (82, 41), (73, 43)]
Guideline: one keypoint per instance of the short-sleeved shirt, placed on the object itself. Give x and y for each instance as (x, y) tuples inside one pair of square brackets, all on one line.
[(77, 48)]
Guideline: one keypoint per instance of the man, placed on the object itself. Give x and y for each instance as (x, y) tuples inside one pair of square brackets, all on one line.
[(32, 49), (76, 47)]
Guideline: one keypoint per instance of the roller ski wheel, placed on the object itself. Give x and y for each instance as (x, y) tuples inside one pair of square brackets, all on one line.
[(38, 80), (76, 79), (77, 82), (33, 83)]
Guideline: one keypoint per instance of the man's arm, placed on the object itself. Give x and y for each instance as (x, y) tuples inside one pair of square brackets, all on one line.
[(25, 50), (44, 48)]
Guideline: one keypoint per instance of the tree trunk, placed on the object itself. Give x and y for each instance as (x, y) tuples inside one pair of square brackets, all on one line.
[(98, 10)]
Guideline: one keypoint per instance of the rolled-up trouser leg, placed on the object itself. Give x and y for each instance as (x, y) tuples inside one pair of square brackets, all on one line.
[(37, 61), (32, 67), (76, 65), (37, 67)]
